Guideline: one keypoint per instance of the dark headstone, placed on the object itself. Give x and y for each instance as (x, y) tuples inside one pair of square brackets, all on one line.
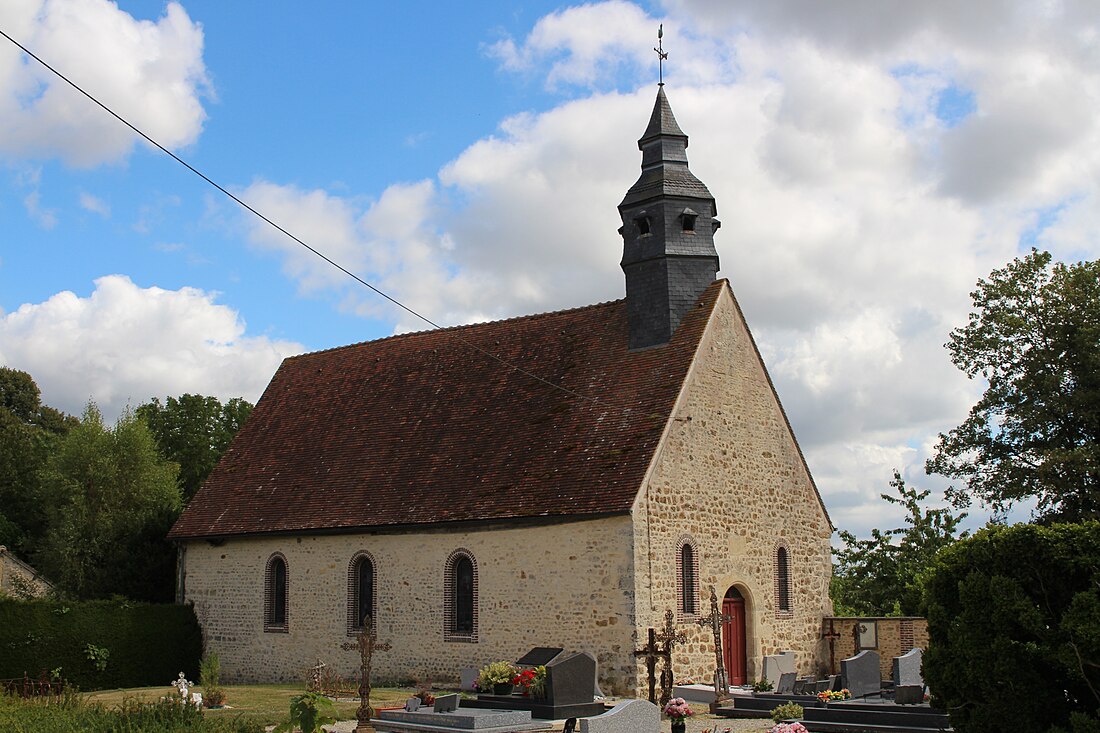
[(539, 656), (786, 683), (570, 726), (570, 679), (803, 686), (821, 686), (907, 668), (445, 704), (836, 684), (909, 694), (861, 673)]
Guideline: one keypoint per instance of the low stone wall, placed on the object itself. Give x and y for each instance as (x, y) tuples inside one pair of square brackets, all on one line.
[(893, 636)]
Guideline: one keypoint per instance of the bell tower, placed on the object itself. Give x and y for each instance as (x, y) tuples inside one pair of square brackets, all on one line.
[(668, 230)]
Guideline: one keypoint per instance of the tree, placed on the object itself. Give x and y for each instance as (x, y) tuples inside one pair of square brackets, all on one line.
[(29, 431), (194, 431), (883, 575), (1014, 629), (112, 499), (1034, 336)]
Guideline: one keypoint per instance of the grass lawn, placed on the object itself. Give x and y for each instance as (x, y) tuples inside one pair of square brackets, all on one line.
[(266, 704)]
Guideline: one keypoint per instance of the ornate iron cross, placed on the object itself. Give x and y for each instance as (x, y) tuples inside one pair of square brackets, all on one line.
[(670, 637), (714, 620), (366, 641)]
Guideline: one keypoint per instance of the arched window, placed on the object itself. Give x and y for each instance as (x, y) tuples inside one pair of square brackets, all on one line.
[(460, 597), (782, 581), (275, 594), (687, 578), (361, 588)]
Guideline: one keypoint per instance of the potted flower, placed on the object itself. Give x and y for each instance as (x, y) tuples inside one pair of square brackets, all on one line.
[(496, 676), (788, 728), (532, 680), (678, 711)]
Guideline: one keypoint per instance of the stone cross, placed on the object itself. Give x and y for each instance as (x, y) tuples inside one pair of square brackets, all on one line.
[(714, 620), (651, 655), (669, 637), (366, 641)]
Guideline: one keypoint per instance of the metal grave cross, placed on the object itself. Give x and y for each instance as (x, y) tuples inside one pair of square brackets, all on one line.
[(714, 620), (651, 655), (366, 641), (669, 637)]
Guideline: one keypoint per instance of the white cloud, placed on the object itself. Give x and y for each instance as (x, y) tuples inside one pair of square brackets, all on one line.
[(94, 204), (46, 218), (150, 73), (124, 344)]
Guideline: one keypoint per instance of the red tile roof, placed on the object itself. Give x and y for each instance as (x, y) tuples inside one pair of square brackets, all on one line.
[(421, 429)]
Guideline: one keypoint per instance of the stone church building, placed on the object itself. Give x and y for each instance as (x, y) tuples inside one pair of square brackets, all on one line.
[(552, 480)]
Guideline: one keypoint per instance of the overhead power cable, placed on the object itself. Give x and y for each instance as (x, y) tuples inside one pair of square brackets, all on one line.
[(316, 252)]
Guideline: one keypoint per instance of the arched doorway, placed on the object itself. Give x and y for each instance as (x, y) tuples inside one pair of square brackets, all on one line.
[(733, 637)]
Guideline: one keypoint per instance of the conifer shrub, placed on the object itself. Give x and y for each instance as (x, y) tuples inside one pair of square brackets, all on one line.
[(1014, 629)]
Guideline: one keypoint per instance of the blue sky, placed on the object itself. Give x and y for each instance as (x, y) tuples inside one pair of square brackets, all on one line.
[(870, 163)]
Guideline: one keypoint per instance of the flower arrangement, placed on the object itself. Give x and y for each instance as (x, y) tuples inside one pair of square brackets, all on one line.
[(495, 673), (533, 681), (788, 728), (830, 695), (677, 709)]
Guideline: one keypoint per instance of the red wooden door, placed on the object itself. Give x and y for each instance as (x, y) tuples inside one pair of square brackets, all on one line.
[(733, 639)]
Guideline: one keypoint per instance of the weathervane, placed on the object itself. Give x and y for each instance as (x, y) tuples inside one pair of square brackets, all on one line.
[(662, 54)]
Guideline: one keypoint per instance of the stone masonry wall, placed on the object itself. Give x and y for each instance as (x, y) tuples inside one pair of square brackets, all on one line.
[(19, 579), (895, 636), (730, 477), (566, 584)]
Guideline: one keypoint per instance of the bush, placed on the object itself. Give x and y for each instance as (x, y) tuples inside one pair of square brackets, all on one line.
[(73, 715), (787, 711), (1014, 629), (99, 644)]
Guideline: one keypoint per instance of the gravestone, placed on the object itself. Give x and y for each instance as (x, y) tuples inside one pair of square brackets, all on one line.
[(570, 679), (785, 686), (412, 704), (822, 686), (777, 664), (907, 668), (539, 656), (909, 694), (835, 683), (629, 716), (861, 673), (445, 704), (467, 677), (803, 686)]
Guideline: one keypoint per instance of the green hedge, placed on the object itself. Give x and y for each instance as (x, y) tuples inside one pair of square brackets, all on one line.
[(145, 644), (1014, 629), (74, 716)]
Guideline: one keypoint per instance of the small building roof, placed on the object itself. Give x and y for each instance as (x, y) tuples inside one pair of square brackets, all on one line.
[(423, 429)]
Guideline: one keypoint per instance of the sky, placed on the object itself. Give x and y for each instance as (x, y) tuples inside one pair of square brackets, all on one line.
[(870, 161)]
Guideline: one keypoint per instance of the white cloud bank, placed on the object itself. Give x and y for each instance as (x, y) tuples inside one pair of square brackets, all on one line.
[(150, 73), (858, 209), (124, 344)]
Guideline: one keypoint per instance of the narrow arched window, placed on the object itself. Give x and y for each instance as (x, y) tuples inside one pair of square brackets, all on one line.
[(275, 594), (643, 225), (460, 597), (782, 581), (687, 578), (687, 570), (361, 588)]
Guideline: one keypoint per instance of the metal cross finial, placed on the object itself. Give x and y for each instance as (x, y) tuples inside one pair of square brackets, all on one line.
[(366, 642), (662, 54)]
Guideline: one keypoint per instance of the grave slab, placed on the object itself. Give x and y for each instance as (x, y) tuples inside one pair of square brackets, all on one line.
[(464, 719), (861, 673), (629, 716)]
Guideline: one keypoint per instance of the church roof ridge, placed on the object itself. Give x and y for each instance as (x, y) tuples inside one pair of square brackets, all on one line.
[(455, 328)]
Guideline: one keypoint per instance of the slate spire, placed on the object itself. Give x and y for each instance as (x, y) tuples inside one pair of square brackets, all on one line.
[(668, 233)]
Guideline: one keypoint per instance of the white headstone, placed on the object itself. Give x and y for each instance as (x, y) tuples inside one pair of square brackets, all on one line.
[(777, 664)]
